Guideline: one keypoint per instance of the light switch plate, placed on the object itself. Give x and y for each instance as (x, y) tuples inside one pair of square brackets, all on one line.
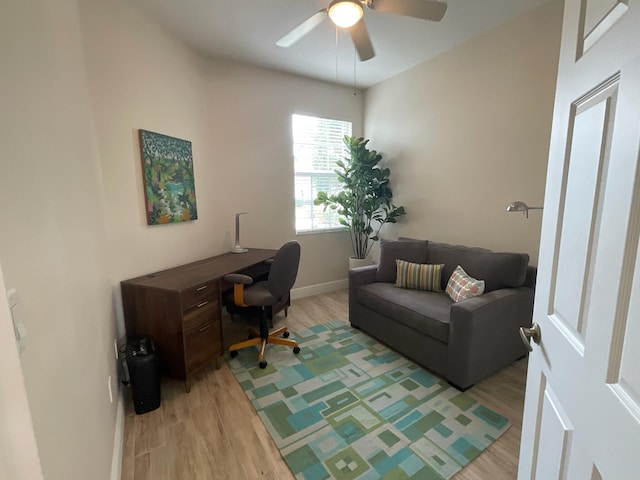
[(12, 297), (19, 328)]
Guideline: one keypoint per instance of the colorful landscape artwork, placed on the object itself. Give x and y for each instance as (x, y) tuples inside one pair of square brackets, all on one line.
[(169, 187)]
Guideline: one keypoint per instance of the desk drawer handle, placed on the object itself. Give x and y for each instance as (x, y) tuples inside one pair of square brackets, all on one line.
[(208, 325), (202, 304), (199, 289)]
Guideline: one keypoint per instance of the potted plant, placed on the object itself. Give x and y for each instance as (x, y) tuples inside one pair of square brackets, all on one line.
[(364, 203)]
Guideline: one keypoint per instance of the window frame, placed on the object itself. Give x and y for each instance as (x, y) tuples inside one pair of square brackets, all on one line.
[(301, 174)]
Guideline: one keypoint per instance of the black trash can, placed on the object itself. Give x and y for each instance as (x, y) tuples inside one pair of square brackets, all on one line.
[(142, 365)]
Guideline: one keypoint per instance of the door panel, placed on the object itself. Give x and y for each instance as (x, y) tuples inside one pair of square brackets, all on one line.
[(597, 18), (624, 363), (628, 378), (556, 429), (591, 122)]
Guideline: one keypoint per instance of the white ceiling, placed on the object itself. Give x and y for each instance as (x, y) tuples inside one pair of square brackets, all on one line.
[(245, 31)]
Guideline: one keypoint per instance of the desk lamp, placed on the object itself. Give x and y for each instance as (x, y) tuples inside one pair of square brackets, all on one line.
[(238, 248)]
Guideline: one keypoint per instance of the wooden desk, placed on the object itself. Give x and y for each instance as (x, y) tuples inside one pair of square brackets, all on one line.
[(180, 309)]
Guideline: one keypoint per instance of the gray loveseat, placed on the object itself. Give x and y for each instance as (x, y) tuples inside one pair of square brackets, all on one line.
[(463, 342)]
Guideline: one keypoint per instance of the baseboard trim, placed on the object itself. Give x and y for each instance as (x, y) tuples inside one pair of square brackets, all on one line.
[(319, 288), (118, 438)]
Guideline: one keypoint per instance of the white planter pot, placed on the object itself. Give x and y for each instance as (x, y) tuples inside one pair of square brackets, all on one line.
[(360, 262)]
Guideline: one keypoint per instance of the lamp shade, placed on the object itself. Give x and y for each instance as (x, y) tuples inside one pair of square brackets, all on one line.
[(345, 13)]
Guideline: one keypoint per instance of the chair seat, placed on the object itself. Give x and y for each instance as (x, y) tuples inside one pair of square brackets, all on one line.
[(258, 295)]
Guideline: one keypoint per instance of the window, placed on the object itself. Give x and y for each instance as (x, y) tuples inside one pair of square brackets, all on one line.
[(317, 146)]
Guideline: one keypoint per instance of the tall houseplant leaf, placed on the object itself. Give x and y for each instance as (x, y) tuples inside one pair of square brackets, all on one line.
[(364, 204)]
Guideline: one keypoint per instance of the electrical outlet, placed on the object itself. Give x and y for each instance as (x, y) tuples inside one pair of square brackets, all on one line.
[(110, 391), (115, 347)]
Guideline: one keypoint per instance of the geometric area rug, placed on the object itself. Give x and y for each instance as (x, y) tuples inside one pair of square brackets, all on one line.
[(347, 407)]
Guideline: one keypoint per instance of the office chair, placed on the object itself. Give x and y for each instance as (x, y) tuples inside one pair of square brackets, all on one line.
[(282, 276)]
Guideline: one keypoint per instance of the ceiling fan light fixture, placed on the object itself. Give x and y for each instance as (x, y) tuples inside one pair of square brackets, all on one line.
[(345, 13)]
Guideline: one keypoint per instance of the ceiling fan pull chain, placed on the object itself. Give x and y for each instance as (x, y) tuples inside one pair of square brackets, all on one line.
[(336, 29), (354, 71)]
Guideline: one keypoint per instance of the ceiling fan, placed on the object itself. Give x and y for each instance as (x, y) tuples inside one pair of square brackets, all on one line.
[(349, 14)]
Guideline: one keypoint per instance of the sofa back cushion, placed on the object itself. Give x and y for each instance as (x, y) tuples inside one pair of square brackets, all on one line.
[(497, 269), (414, 251)]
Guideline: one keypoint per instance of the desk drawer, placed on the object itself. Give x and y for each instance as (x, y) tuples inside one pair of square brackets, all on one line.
[(202, 345), (197, 296), (200, 316)]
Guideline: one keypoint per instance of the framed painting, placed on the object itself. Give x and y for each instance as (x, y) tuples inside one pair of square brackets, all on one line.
[(167, 169)]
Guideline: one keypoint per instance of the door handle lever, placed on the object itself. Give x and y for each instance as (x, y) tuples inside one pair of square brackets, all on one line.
[(533, 332)]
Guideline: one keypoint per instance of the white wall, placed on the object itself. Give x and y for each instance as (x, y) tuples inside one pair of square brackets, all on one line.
[(238, 120), (52, 238), (468, 132)]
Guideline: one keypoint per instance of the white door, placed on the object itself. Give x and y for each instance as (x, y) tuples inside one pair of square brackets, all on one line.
[(582, 405)]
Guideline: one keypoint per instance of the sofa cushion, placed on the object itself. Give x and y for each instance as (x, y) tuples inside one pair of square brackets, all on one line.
[(414, 251), (425, 312), (498, 270), (461, 286), (418, 276)]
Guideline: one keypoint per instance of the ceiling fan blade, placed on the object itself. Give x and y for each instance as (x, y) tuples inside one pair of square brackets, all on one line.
[(301, 30), (425, 9), (362, 41)]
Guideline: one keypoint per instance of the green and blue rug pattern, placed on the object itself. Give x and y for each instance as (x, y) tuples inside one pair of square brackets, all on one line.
[(347, 407)]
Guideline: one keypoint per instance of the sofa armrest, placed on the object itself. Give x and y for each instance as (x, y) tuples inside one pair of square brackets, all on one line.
[(484, 333), (532, 274), (358, 277)]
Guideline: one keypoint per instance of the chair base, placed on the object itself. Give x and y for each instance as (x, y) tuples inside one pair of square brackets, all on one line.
[(257, 339)]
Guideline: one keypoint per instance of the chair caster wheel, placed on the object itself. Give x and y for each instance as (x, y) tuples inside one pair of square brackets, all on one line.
[(233, 353), (296, 350), (286, 334), (263, 364)]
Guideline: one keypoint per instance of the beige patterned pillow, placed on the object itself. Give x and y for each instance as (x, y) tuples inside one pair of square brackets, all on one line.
[(461, 286), (418, 276)]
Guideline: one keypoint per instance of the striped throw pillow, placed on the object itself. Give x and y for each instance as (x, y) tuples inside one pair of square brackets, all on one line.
[(461, 286), (418, 276)]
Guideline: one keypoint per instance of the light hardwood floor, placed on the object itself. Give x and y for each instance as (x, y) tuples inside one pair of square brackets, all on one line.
[(214, 433)]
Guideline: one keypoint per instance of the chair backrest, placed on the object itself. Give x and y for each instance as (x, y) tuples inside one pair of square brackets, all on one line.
[(284, 269)]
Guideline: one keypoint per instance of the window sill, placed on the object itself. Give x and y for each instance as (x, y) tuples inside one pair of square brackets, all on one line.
[(327, 230)]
